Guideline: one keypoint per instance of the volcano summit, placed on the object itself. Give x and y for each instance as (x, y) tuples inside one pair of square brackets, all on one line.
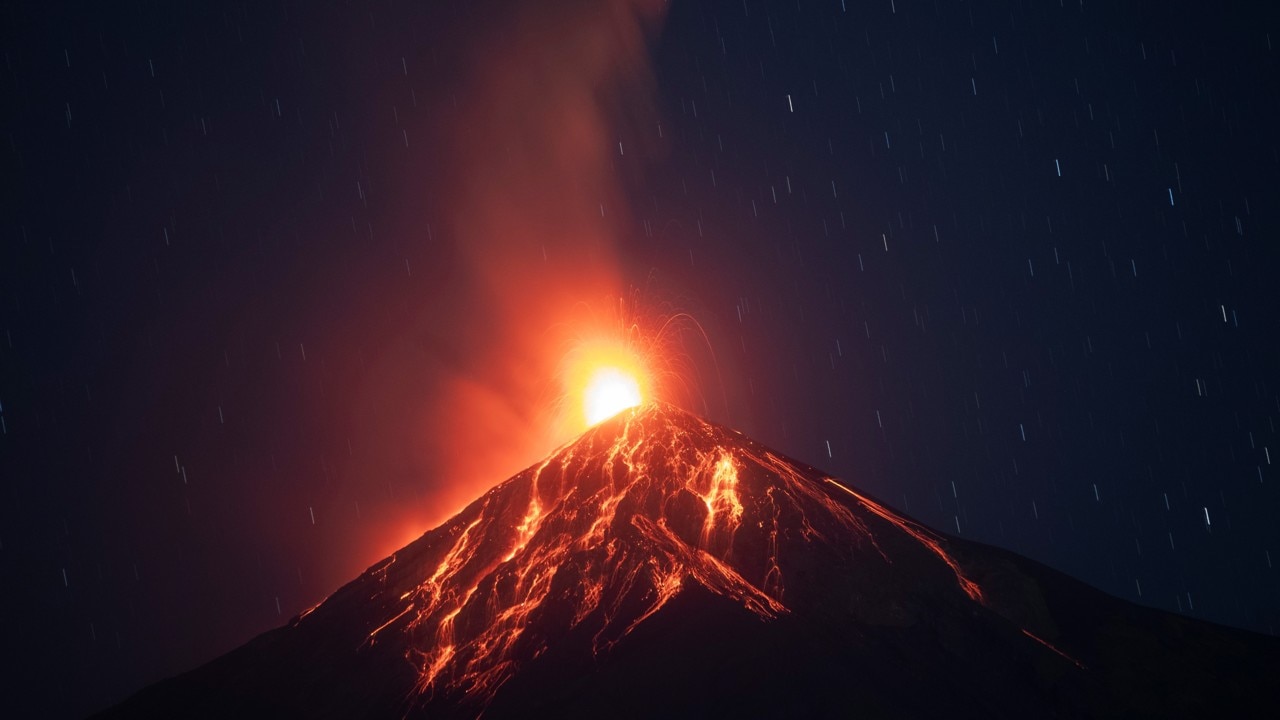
[(660, 566)]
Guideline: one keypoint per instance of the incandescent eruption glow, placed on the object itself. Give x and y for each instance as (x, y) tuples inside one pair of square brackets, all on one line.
[(602, 377), (623, 353), (609, 391)]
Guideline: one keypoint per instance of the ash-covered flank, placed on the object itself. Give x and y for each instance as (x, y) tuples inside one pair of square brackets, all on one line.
[(660, 565)]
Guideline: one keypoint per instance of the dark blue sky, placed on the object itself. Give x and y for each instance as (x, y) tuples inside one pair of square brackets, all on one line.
[(1008, 266)]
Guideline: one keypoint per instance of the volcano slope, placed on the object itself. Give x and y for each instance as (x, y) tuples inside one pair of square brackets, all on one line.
[(662, 566)]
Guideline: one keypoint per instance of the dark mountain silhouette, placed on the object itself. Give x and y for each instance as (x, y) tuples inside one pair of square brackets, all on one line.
[(663, 566)]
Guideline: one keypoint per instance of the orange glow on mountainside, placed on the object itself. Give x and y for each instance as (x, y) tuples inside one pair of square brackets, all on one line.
[(601, 535)]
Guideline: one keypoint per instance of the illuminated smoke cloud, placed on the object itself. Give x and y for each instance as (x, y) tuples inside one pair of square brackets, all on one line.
[(531, 145)]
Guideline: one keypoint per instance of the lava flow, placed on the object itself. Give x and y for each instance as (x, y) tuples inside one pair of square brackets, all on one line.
[(595, 540), (662, 566)]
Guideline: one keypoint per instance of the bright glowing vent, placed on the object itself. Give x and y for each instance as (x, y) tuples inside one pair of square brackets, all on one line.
[(604, 377), (609, 391)]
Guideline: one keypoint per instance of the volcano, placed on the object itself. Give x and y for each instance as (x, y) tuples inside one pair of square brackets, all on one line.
[(662, 566)]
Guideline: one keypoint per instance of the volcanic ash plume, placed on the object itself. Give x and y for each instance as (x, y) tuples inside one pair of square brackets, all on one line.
[(531, 142)]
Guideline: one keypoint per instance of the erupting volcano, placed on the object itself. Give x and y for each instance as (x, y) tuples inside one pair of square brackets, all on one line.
[(660, 565)]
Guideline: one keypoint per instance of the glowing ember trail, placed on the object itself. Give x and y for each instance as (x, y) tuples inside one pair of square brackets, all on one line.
[(605, 533), (926, 538), (1058, 652)]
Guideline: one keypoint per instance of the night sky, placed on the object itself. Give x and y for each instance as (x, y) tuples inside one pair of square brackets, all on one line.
[(284, 286)]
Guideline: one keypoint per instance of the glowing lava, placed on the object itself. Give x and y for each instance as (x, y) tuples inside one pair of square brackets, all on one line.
[(609, 391), (602, 378), (600, 536), (624, 354)]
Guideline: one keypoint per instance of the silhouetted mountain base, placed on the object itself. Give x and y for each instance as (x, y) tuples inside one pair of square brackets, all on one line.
[(661, 566)]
